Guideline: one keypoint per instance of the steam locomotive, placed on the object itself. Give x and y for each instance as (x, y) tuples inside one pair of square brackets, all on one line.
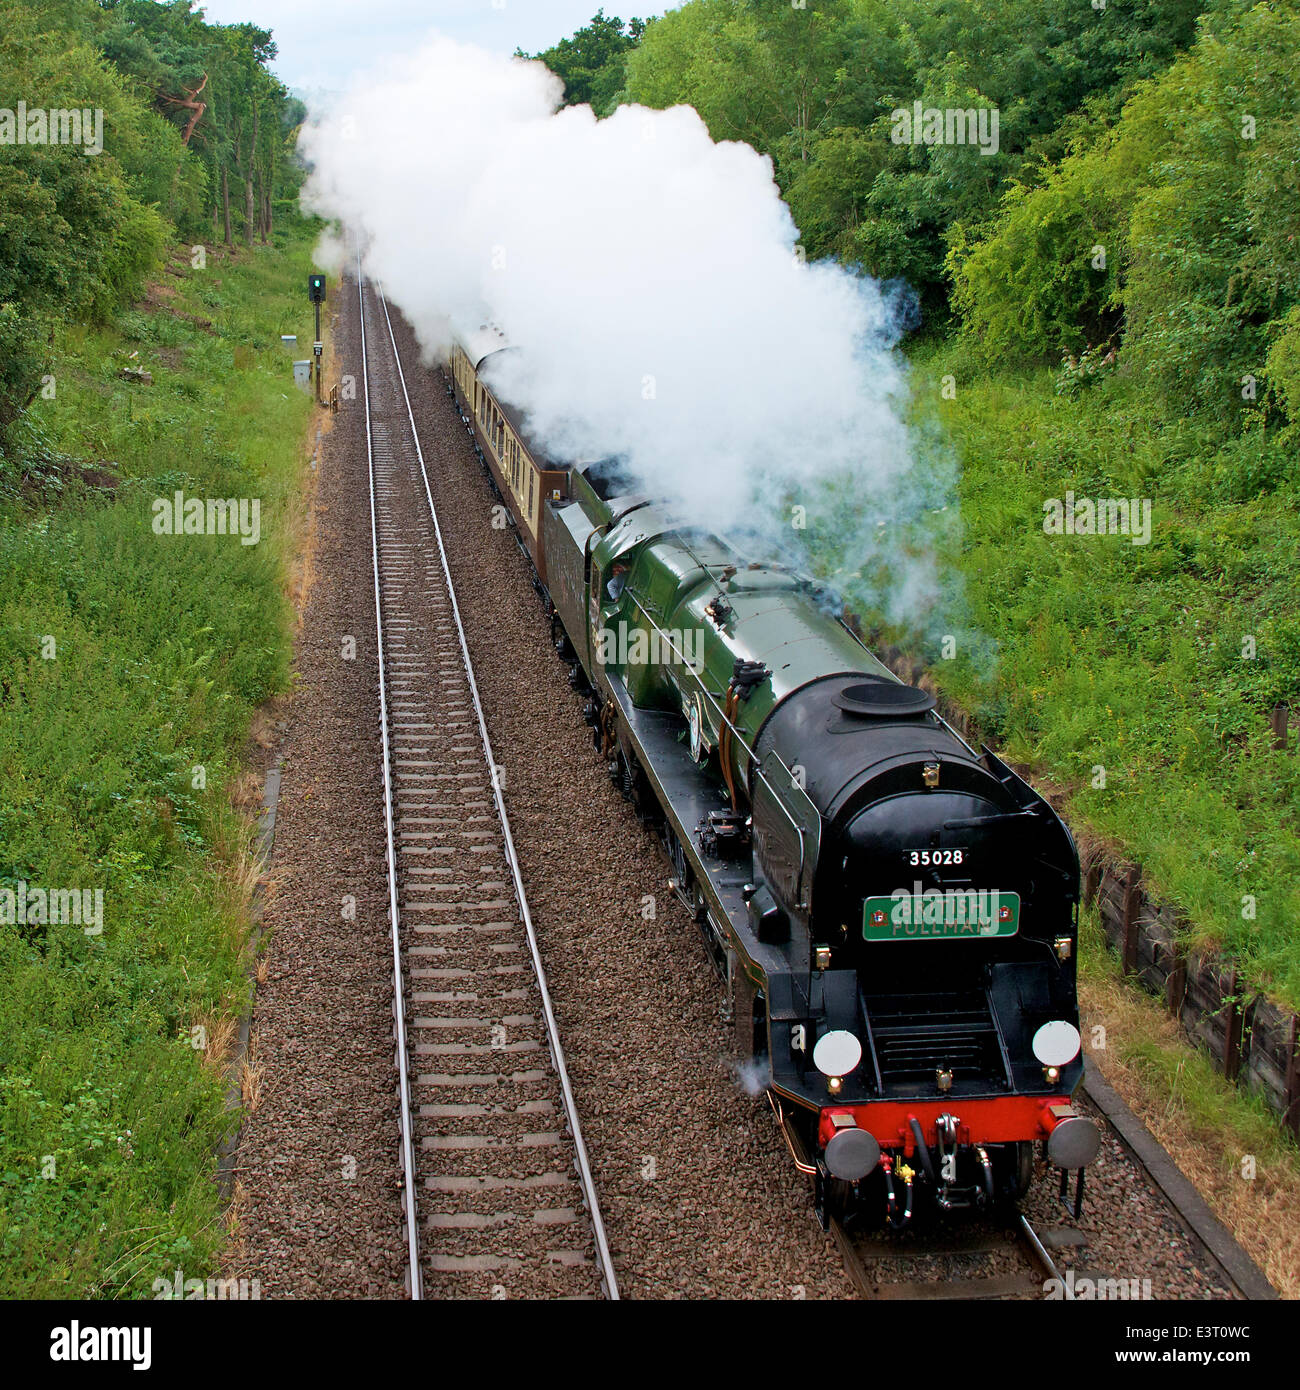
[(893, 913)]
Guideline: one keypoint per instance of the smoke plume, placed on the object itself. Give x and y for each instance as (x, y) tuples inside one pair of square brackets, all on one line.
[(652, 279)]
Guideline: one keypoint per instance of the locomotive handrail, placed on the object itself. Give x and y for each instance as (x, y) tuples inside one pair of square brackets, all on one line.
[(753, 756)]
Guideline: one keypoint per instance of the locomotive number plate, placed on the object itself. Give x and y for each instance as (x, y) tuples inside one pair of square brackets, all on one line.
[(952, 915), (934, 858)]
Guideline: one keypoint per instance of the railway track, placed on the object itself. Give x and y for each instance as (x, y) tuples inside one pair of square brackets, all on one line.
[(1010, 1257), (978, 1261), (498, 1195), (975, 1259)]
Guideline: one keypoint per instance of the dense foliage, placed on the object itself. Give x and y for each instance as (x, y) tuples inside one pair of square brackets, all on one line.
[(1111, 308), (147, 271), (129, 662), (594, 61), (190, 111), (1141, 190)]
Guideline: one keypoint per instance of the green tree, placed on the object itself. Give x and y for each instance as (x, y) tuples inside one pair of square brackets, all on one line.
[(1193, 198), (75, 236), (815, 88), (592, 63), (188, 108)]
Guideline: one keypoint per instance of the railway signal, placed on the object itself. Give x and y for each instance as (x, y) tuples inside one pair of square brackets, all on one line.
[(316, 292)]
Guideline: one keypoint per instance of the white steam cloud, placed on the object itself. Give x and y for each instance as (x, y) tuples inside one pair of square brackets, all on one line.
[(651, 278)]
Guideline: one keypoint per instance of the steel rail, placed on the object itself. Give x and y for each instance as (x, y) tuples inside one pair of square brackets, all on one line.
[(1038, 1250), (1022, 1233), (588, 1184), (399, 989), (1023, 1237)]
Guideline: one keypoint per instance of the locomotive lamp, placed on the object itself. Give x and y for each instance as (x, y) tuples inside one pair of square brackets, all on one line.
[(1064, 947), (835, 1055), (1056, 1044), (822, 957), (943, 1078)]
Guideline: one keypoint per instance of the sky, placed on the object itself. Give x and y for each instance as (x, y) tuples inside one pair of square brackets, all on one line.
[(323, 41)]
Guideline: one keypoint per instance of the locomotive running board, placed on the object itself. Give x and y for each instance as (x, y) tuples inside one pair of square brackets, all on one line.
[(687, 798)]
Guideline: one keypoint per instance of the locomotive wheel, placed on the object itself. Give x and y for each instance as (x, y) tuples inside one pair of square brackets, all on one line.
[(1023, 1170), (560, 640), (834, 1200), (635, 786), (1013, 1173)]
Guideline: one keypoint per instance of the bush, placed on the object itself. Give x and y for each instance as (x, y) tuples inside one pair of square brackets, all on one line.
[(1045, 282), (1194, 198), (1282, 369), (22, 361)]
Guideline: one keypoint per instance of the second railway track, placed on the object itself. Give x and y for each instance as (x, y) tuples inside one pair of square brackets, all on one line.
[(499, 1198)]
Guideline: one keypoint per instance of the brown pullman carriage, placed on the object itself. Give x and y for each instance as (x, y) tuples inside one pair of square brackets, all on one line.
[(524, 476)]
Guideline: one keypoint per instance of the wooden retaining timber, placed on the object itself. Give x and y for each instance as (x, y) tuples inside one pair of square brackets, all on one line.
[(1253, 1042)]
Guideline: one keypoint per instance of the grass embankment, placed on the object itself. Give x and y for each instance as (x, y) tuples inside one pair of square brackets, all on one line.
[(1225, 1140), (1079, 652), (1154, 662), (111, 1045)]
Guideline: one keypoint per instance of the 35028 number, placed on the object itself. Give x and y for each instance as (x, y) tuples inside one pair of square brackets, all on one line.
[(921, 858)]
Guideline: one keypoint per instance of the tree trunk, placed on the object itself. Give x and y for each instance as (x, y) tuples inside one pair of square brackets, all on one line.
[(248, 180), (225, 201), (270, 191)]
